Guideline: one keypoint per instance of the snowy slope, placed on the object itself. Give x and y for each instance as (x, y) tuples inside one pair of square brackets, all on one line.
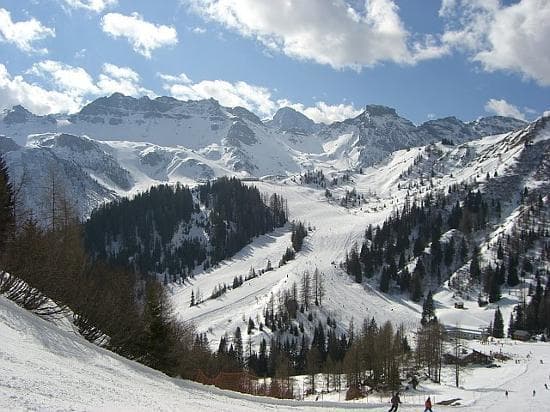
[(75, 374), (385, 186), (43, 367)]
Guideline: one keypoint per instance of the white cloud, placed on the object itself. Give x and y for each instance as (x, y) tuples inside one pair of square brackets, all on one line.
[(120, 79), (92, 5), (501, 107), (327, 32), (254, 98), (72, 80), (23, 33), (257, 99), (198, 30), (142, 35), (499, 37), (16, 90), (80, 54), (180, 78), (322, 112), (65, 88)]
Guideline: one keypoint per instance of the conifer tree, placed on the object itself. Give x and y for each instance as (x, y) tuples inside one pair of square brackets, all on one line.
[(157, 327), (428, 309), (385, 280), (498, 324), (6, 203), (494, 287), (239, 346), (475, 270)]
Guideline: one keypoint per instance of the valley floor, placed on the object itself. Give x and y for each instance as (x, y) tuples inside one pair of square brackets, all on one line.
[(47, 367)]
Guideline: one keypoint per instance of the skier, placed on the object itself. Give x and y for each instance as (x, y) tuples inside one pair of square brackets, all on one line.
[(506, 393), (534, 392), (546, 386), (428, 405), (395, 401)]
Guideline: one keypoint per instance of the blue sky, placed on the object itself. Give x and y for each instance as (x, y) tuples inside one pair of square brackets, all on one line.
[(328, 59)]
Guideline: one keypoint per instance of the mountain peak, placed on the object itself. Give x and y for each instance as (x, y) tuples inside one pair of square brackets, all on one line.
[(244, 114), (286, 119), (17, 114), (379, 110)]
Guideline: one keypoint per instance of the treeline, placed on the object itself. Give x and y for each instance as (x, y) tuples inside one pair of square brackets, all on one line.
[(415, 232), (303, 342), (156, 231), (525, 251), (318, 178), (533, 314), (45, 269), (373, 356)]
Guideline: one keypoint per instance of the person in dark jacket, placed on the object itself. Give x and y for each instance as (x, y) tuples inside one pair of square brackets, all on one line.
[(395, 401), (428, 405)]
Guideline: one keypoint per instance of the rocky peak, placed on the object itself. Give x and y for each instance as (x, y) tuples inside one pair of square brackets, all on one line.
[(17, 114), (379, 110), (7, 144), (244, 114), (490, 125), (289, 120)]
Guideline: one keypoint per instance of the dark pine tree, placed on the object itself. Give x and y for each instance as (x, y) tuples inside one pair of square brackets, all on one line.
[(6, 203), (498, 324), (428, 309), (385, 280)]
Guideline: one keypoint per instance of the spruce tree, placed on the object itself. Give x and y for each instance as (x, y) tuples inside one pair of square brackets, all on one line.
[(513, 279), (498, 324), (385, 280), (239, 346), (416, 287), (494, 288), (449, 252), (157, 328), (428, 309), (475, 270), (6, 203), (511, 325)]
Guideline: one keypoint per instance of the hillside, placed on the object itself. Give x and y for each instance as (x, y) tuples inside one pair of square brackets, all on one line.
[(520, 157), (119, 145), (49, 367), (274, 300)]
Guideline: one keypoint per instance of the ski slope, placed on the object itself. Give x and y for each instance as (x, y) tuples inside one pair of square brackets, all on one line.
[(45, 367), (335, 229)]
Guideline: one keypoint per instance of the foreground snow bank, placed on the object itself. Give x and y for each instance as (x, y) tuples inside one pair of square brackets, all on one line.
[(45, 367)]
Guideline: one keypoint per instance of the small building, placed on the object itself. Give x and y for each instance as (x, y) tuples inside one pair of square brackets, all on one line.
[(468, 358), (478, 358), (466, 333), (522, 335)]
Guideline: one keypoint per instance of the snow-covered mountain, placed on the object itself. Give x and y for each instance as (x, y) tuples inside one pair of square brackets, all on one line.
[(379, 130), (512, 161), (117, 145), (287, 119)]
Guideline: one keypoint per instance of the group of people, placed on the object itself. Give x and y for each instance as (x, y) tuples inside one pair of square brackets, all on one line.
[(396, 400)]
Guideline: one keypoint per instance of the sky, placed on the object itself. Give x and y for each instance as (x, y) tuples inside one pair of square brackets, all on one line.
[(324, 58)]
